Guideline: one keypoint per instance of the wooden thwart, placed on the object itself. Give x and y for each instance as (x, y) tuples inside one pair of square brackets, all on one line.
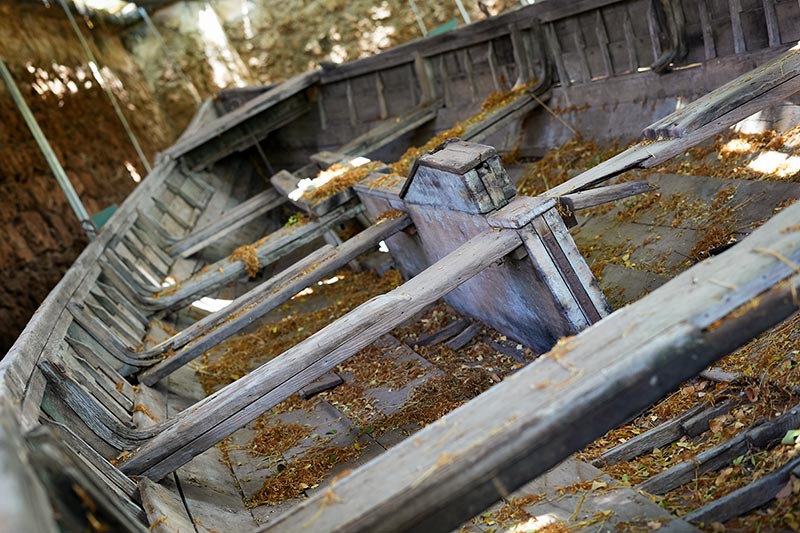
[(267, 296), (217, 416)]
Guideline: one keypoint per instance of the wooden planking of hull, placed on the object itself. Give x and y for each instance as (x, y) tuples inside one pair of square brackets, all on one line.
[(78, 418)]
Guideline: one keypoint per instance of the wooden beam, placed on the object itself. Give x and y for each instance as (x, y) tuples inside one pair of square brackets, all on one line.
[(748, 497), (603, 195), (267, 296), (455, 468), (277, 245), (217, 416), (784, 69), (217, 127), (648, 155), (230, 220)]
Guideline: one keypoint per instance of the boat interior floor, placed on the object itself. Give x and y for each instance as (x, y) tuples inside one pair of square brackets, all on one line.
[(429, 366)]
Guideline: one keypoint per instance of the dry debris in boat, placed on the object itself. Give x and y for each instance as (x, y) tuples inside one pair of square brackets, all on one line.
[(240, 354), (770, 386), (302, 474), (247, 254), (276, 437)]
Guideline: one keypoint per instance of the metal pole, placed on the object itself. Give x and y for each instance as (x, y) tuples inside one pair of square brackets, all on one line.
[(189, 85), (49, 155), (464, 13), (99, 77), (418, 17)]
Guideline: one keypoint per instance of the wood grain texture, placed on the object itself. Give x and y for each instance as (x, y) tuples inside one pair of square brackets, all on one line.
[(485, 449), (269, 295), (214, 418)]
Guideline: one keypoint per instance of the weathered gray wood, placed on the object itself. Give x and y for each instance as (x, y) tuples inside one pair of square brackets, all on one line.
[(758, 436), (784, 69), (24, 505), (273, 293), (521, 427), (708, 30), (659, 436), (739, 45), (521, 58), (771, 18), (217, 416), (166, 512), (650, 155), (580, 46), (62, 469), (117, 433), (602, 39), (465, 337), (551, 37), (231, 220), (603, 195), (326, 382), (120, 484), (448, 332), (388, 131), (746, 498), (379, 89), (262, 103), (630, 40), (278, 245)]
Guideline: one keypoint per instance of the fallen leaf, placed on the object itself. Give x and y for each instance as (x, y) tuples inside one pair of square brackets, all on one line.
[(785, 492)]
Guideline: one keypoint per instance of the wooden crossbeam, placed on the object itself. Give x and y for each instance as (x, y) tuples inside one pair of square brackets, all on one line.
[(713, 113), (279, 244), (217, 416), (266, 296), (756, 84), (588, 384)]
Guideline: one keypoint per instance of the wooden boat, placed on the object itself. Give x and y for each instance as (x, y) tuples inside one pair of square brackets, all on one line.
[(125, 408)]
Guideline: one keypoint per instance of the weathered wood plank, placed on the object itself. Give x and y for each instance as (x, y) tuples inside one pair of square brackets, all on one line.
[(24, 505), (166, 513), (388, 131), (214, 418), (62, 471), (261, 103), (230, 221), (784, 69), (455, 468), (603, 195), (271, 294), (746, 498), (277, 245), (723, 454), (739, 45)]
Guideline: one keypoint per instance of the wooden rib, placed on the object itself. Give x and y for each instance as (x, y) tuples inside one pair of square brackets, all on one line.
[(214, 418), (603, 195), (708, 30), (771, 19), (580, 45), (721, 455), (630, 39), (748, 497), (781, 70), (551, 37), (602, 39), (739, 45), (231, 220), (379, 89)]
